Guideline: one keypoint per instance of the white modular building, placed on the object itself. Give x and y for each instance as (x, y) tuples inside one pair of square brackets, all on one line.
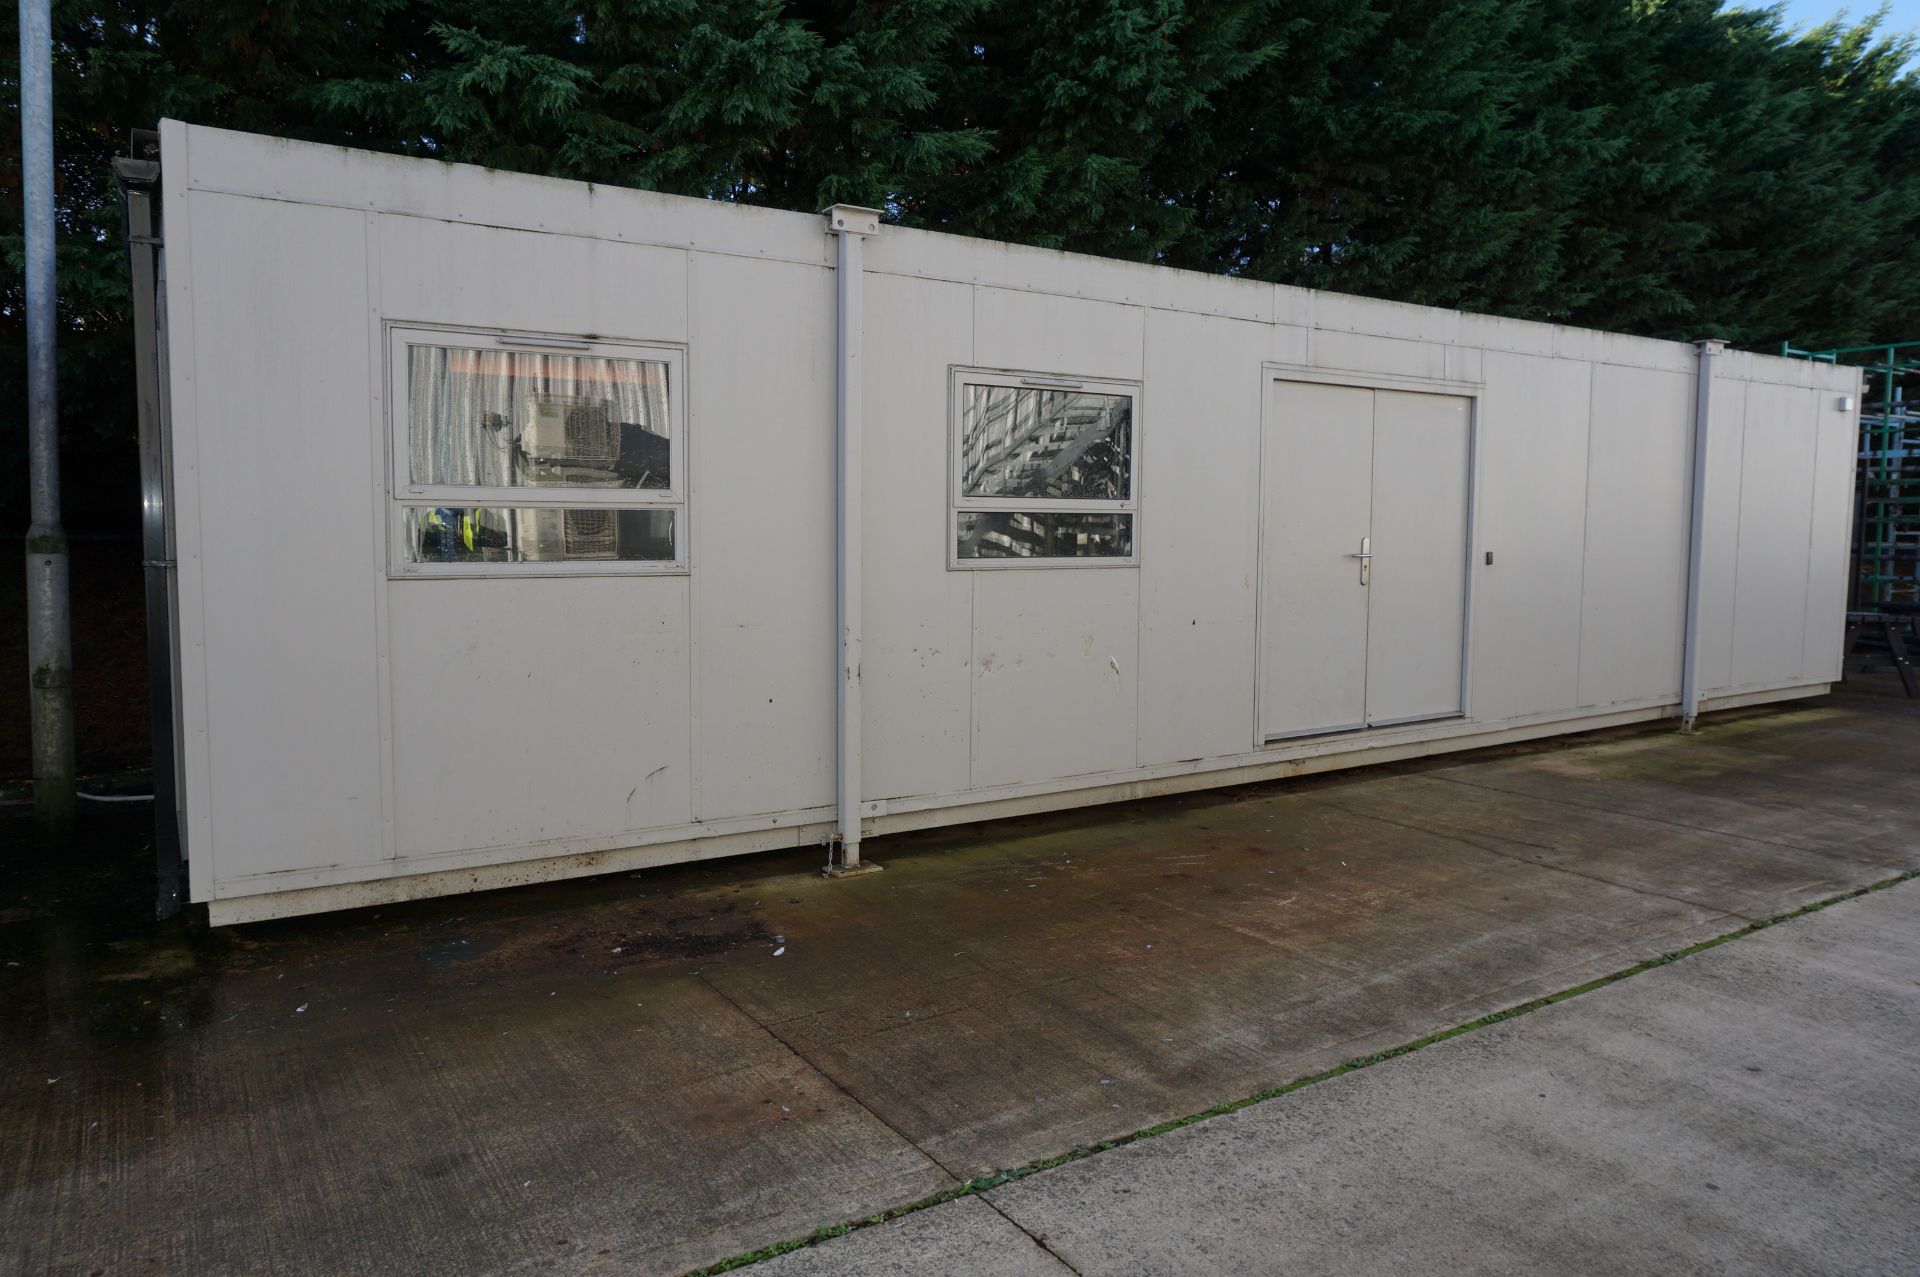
[(522, 528)]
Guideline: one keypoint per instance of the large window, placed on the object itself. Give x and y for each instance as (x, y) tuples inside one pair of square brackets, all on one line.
[(527, 454), (1044, 470)]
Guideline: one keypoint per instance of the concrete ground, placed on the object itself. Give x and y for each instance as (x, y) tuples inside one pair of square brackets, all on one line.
[(648, 1073), (1749, 1108)]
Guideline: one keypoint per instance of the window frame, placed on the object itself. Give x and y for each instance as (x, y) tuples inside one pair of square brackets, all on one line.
[(958, 502), (404, 494)]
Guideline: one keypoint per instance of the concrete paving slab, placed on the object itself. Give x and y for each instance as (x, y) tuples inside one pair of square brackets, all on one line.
[(1797, 782), (1750, 877), (406, 1107), (1748, 1108), (648, 1072), (964, 1236), (1251, 943)]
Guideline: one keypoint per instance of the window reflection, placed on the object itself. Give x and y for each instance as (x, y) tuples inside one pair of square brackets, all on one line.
[(520, 534), (1014, 534), (1018, 441)]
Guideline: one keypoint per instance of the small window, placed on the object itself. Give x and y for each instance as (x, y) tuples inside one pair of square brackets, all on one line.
[(536, 534), (536, 454), (1044, 470)]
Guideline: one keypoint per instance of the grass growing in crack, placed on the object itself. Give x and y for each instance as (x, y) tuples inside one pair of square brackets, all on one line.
[(985, 1183)]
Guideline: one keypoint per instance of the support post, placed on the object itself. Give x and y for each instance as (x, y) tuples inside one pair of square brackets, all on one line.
[(139, 179), (1697, 533), (850, 225), (49, 640)]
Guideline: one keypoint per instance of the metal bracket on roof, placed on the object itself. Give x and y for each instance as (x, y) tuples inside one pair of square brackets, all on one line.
[(852, 219)]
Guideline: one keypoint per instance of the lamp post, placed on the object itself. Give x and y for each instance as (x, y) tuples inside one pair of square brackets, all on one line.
[(49, 642)]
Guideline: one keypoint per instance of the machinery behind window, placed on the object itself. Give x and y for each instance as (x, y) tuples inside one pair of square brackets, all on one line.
[(574, 441)]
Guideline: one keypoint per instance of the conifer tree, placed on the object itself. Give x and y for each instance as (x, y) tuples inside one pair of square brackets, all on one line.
[(1666, 167)]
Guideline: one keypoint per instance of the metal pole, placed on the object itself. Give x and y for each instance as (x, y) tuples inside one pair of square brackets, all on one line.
[(1887, 444), (851, 225), (1697, 536), (49, 644)]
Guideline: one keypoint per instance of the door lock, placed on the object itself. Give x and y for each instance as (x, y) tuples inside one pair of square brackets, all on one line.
[(1366, 559)]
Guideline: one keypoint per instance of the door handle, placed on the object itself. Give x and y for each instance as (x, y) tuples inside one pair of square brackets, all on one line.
[(1366, 559)]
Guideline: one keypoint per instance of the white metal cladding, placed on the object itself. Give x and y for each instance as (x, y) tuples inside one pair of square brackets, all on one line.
[(352, 733)]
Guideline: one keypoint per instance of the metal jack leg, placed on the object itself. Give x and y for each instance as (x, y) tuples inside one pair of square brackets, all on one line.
[(844, 861)]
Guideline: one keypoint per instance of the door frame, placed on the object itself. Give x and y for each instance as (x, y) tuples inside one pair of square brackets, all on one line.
[(1273, 371)]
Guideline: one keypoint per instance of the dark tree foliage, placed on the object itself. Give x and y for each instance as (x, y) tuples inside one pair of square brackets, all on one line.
[(1653, 166)]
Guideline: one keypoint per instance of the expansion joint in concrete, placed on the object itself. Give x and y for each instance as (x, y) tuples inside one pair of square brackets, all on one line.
[(963, 1185), (1038, 1240), (788, 1045)]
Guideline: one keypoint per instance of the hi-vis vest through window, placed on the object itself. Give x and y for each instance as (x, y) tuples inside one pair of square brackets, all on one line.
[(1044, 470), (534, 454)]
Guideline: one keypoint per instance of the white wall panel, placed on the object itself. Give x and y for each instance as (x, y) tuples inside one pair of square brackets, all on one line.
[(1465, 363), (1830, 537), (1363, 353), (917, 649), (1629, 351), (305, 172), (1199, 293), (761, 505), (286, 579), (1639, 459), (1200, 462), (1290, 345), (1295, 306), (1776, 515), (450, 273), (1402, 320), (1531, 505), (1720, 558), (1024, 269), (540, 708), (1054, 650), (1039, 332), (1515, 336), (1054, 672)]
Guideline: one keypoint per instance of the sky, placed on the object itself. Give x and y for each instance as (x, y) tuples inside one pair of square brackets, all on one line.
[(1902, 15)]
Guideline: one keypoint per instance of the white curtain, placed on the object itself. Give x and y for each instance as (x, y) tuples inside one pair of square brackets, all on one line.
[(467, 409)]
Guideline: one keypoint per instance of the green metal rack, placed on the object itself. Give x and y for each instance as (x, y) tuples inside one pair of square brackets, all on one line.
[(1886, 514)]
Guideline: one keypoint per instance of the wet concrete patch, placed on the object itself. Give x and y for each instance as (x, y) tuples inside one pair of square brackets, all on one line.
[(464, 949), (638, 1111), (675, 937)]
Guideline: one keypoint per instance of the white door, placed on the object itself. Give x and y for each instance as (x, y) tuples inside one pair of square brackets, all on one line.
[(1416, 619), (1364, 561), (1319, 506)]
